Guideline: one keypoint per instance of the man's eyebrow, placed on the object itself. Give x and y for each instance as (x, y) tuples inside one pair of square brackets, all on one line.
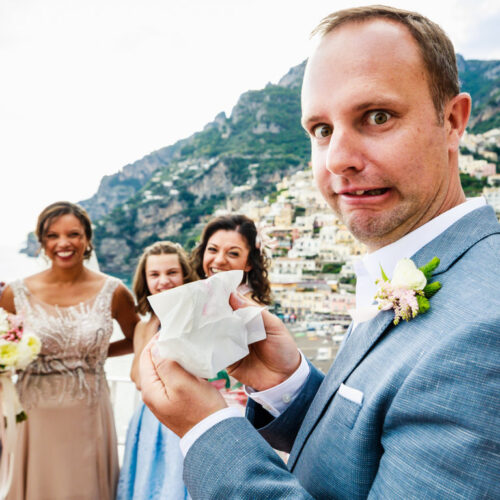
[(305, 122), (374, 104)]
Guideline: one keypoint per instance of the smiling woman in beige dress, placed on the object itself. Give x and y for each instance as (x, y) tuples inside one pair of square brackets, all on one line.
[(67, 447)]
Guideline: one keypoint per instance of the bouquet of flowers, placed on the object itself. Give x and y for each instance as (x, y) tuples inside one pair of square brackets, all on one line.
[(18, 348)]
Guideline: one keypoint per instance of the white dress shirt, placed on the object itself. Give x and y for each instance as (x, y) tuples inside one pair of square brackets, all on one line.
[(277, 399)]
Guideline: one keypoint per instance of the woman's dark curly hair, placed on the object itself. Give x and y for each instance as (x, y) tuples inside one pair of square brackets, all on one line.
[(256, 278), (140, 285)]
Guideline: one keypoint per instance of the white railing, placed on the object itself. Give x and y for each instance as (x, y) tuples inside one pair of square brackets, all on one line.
[(125, 398)]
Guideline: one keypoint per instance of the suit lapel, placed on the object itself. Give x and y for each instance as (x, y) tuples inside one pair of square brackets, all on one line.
[(352, 352), (458, 238), (449, 246)]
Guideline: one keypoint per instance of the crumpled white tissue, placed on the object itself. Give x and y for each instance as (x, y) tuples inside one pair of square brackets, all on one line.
[(200, 330)]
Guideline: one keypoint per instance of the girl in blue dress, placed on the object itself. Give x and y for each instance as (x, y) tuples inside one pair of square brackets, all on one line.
[(152, 462)]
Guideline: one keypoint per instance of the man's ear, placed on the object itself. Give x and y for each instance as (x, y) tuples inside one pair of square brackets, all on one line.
[(456, 116)]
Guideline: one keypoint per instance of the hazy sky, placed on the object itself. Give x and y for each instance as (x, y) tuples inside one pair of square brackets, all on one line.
[(88, 86)]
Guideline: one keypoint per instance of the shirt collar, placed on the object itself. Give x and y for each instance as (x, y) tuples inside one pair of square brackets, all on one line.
[(368, 268)]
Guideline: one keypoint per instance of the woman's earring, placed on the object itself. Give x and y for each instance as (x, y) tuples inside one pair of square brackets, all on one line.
[(44, 256)]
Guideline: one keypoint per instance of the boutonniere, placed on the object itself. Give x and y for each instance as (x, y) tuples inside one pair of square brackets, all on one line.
[(409, 290)]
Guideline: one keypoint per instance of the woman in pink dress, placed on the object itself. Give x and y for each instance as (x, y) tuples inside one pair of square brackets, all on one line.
[(67, 447)]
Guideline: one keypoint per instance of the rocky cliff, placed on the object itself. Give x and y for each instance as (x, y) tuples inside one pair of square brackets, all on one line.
[(170, 192), (166, 194)]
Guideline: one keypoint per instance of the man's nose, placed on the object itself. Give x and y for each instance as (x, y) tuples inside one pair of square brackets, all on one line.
[(344, 156)]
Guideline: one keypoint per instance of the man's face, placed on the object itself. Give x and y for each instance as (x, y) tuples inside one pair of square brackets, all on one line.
[(379, 155)]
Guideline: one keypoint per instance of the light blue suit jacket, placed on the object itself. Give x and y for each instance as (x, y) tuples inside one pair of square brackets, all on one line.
[(428, 425)]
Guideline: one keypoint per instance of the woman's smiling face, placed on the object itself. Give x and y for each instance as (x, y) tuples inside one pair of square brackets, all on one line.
[(65, 242), (163, 272), (226, 251)]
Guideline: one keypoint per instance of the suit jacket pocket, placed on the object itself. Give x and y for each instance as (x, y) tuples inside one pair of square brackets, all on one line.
[(345, 410)]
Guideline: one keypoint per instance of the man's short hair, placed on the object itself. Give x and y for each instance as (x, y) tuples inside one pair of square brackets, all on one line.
[(435, 47)]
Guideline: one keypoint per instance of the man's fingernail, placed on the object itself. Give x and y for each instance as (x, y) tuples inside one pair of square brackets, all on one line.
[(239, 299)]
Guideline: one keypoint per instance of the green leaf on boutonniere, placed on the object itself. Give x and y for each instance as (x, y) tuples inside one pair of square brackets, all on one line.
[(431, 288), (382, 273), (423, 304), (430, 267)]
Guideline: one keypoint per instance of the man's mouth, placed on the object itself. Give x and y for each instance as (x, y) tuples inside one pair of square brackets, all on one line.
[(366, 192)]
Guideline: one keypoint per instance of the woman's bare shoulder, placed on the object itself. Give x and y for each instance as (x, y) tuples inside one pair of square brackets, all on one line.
[(122, 297), (95, 277), (141, 327), (249, 297), (36, 281), (7, 300), (146, 328)]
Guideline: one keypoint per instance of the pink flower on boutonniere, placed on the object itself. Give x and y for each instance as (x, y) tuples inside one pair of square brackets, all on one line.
[(408, 292)]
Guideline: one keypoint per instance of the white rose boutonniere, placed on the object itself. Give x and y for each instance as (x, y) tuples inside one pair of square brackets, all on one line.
[(409, 291), (407, 275)]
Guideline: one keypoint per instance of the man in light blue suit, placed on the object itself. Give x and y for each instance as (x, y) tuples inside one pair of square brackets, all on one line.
[(408, 410)]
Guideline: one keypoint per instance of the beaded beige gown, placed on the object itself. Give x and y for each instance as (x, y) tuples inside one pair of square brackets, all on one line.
[(66, 450)]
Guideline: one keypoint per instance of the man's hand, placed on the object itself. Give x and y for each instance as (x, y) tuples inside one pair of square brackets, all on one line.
[(270, 361), (178, 399)]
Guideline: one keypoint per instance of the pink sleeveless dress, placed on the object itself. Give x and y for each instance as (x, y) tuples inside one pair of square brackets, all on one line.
[(67, 447)]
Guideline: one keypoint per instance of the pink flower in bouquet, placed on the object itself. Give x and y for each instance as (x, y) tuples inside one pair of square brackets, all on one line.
[(17, 347), (16, 324), (11, 327)]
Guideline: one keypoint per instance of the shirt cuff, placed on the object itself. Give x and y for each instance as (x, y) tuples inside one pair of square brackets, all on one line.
[(277, 399), (201, 427)]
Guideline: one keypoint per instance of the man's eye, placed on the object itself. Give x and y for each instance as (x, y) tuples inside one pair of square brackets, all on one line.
[(378, 117), (322, 131)]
